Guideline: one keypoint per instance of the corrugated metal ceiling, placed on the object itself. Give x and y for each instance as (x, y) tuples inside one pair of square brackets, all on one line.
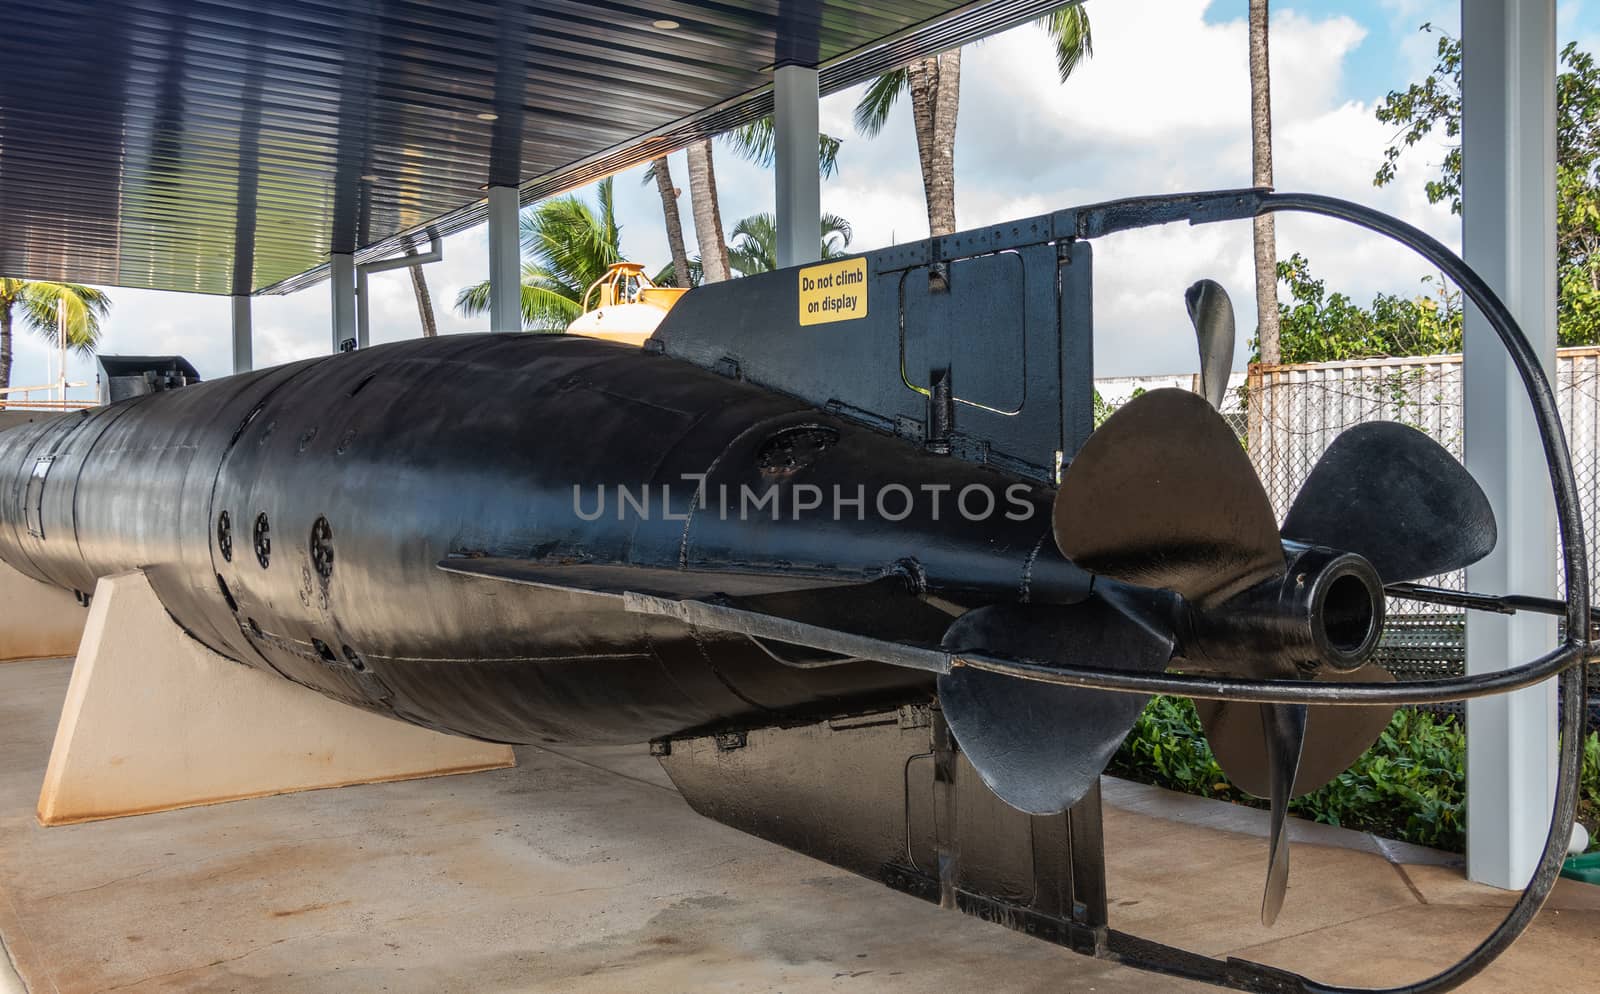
[(225, 147)]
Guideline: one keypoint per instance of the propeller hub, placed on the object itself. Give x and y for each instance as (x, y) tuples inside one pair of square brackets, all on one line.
[(1343, 604), (1325, 612)]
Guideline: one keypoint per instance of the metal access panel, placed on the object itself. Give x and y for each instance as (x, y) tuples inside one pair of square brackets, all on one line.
[(1002, 315), (888, 795)]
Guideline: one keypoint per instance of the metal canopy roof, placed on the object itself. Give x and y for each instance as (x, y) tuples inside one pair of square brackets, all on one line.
[(229, 147)]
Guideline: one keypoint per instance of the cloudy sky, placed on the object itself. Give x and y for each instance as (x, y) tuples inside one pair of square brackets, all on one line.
[(1162, 107)]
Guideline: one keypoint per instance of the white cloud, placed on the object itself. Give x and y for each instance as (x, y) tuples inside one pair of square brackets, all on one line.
[(1164, 107)]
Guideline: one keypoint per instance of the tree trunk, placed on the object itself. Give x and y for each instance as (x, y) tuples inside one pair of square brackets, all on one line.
[(947, 104), (707, 213), (5, 348), (922, 81), (1266, 238), (419, 286), (669, 212), (935, 86)]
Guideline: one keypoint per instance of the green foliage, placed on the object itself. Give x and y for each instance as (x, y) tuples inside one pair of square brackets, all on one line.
[(1589, 790), (668, 275), (1068, 28), (1408, 786), (1321, 327), (754, 248), (1168, 748), (879, 98), (568, 245), (39, 304), (1103, 409), (1435, 103), (758, 142), (1411, 785), (1417, 110)]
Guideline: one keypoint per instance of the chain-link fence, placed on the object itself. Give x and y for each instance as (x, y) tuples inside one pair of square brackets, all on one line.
[(1294, 413), (1288, 415)]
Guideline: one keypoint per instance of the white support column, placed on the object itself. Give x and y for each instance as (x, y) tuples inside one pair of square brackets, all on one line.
[(363, 314), (1508, 146), (342, 280), (243, 360), (505, 260), (799, 181)]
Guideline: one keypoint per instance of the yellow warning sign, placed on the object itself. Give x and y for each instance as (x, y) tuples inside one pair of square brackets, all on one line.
[(834, 291)]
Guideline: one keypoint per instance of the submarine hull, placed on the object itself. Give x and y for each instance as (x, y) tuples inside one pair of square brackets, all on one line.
[(295, 519)]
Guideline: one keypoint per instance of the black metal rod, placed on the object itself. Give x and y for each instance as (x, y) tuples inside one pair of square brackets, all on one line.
[(1496, 603), (1462, 688)]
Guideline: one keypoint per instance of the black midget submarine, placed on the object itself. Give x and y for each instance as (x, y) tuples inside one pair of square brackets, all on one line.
[(839, 542)]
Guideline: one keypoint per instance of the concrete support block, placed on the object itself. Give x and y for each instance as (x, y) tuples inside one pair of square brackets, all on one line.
[(153, 720), (37, 621)]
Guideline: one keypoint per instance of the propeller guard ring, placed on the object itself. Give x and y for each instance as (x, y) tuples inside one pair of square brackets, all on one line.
[(1564, 661)]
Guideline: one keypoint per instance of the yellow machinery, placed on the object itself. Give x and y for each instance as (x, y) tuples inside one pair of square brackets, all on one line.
[(624, 305)]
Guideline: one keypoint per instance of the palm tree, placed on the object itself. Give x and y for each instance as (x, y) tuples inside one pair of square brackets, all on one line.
[(419, 288), (568, 246), (756, 141), (934, 84), (41, 307), (661, 172), (755, 242), (1265, 231), (707, 212)]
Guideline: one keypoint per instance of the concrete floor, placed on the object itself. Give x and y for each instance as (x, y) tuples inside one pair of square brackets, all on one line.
[(585, 872)]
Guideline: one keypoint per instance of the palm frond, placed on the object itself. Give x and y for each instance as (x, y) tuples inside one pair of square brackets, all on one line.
[(43, 304), (828, 154), (546, 308), (668, 276), (748, 260), (761, 228), (758, 142), (610, 230), (836, 234), (1068, 28), (571, 242), (872, 110), (833, 224), (547, 304), (754, 246), (473, 300)]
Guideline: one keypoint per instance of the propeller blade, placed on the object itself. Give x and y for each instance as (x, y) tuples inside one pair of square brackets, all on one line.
[(1285, 725), (1335, 738), (1163, 495), (1041, 747), (1211, 313), (1392, 494)]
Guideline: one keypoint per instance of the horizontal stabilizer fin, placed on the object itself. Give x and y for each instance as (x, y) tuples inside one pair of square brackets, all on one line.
[(616, 579), (759, 625)]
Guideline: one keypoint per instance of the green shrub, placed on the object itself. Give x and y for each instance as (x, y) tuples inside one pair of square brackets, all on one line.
[(1410, 786)]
